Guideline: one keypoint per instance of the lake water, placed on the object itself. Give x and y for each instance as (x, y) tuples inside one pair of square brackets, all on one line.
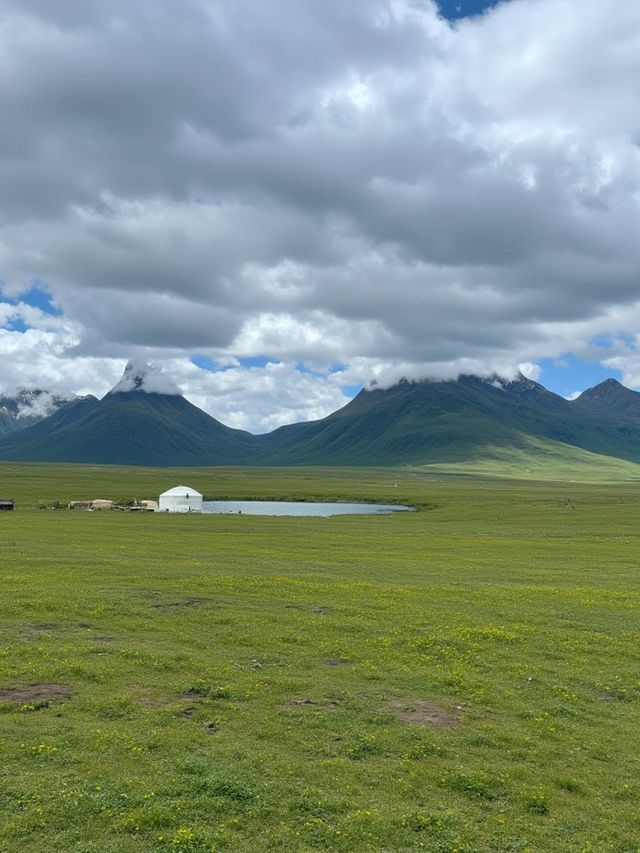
[(299, 508)]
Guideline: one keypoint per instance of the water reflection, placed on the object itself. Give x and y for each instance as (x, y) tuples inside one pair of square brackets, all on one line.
[(299, 508)]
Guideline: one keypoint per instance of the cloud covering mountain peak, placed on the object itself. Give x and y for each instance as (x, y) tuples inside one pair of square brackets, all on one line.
[(147, 377)]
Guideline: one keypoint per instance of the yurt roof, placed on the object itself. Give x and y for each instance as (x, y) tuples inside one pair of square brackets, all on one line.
[(181, 491)]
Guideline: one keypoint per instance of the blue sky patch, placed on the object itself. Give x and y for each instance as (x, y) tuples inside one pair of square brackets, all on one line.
[(455, 9), (568, 374), (303, 367), (257, 361), (352, 390), (205, 363), (35, 297), (17, 325), (39, 298), (607, 342)]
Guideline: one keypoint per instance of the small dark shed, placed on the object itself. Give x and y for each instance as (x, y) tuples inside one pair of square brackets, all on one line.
[(6, 504)]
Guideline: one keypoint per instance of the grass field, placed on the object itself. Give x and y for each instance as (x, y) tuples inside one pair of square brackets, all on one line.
[(461, 678)]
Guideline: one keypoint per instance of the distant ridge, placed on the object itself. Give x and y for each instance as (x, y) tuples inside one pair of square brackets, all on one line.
[(144, 420), (609, 398), (27, 407)]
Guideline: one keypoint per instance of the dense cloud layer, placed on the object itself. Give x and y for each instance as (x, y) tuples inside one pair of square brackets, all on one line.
[(357, 183)]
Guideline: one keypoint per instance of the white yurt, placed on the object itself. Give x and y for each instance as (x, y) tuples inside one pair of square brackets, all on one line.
[(181, 499)]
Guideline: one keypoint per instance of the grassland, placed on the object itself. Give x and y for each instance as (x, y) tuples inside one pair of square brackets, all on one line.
[(462, 678), (547, 461)]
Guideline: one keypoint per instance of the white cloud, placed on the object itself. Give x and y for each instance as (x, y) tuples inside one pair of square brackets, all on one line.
[(260, 399), (531, 371), (39, 405), (357, 184), (146, 377)]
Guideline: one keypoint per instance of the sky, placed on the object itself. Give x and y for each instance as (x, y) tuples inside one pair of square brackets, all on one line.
[(279, 203)]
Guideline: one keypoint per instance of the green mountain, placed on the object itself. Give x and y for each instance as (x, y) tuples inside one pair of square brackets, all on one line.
[(131, 427), (417, 423), (145, 421), (609, 398)]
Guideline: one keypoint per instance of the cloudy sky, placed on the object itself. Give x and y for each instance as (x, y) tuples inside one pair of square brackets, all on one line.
[(281, 201)]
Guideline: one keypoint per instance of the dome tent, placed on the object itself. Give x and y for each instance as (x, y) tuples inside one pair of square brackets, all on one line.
[(181, 499)]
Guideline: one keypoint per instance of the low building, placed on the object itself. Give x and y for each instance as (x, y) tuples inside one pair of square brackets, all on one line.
[(180, 499), (100, 503), (7, 504)]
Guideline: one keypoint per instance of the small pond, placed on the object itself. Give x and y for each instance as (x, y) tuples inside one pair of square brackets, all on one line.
[(299, 508)]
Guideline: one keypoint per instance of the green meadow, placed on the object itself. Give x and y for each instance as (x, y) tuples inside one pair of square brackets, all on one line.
[(465, 677)]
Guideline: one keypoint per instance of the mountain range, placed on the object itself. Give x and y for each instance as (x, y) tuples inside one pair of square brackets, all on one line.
[(411, 423)]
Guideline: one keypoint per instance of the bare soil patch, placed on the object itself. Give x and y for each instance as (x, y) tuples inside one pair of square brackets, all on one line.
[(145, 699), (421, 712), (336, 662), (151, 702), (330, 703), (29, 629), (188, 601), (39, 693), (605, 695)]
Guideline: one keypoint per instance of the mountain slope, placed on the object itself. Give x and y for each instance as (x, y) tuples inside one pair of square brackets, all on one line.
[(541, 460), (410, 423), (35, 442)]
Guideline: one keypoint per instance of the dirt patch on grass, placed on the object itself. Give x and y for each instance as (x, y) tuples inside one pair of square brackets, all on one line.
[(421, 712), (315, 609), (336, 662), (151, 702), (35, 629), (330, 703), (142, 696), (39, 693), (605, 695), (188, 601), (29, 629)]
